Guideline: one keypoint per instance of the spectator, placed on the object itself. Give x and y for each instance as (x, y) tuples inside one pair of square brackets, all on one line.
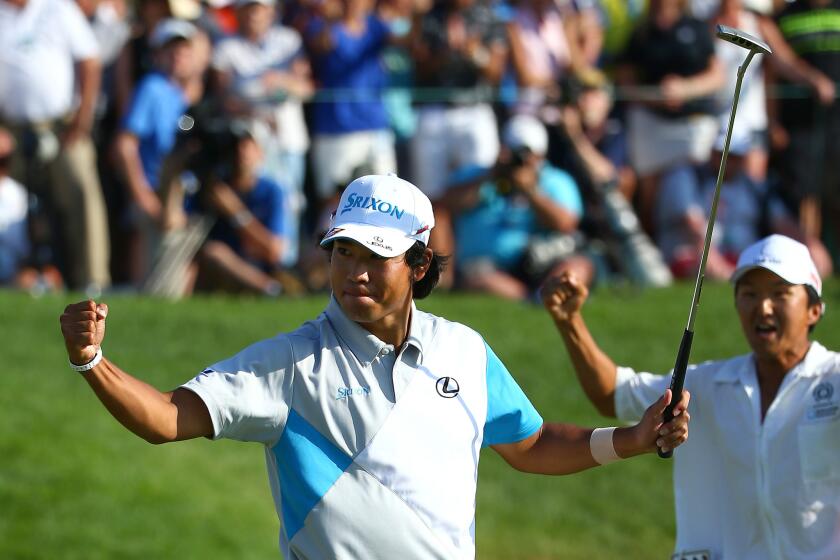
[(682, 210), (596, 141), (138, 56), (808, 122), (618, 20), (399, 67), (263, 73), (148, 135), (540, 52), (591, 144), (460, 54), (48, 52), (672, 54), (245, 246), (752, 103), (747, 210), (349, 122), (14, 237), (508, 216)]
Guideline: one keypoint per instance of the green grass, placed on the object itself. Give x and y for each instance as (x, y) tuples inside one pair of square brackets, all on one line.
[(75, 484)]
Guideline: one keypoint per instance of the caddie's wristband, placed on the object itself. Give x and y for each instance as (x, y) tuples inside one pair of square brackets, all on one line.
[(601, 446), (90, 365)]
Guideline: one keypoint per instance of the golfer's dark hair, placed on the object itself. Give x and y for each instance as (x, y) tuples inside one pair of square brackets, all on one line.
[(414, 259)]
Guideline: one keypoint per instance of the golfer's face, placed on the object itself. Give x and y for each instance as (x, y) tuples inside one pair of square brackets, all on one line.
[(775, 315), (368, 287)]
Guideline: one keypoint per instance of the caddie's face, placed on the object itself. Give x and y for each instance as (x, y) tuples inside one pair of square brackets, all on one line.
[(372, 290), (775, 315)]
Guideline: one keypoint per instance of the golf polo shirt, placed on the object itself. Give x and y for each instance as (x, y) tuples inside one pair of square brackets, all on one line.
[(371, 452), (746, 489)]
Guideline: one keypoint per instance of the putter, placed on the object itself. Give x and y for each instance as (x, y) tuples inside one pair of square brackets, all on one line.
[(754, 46)]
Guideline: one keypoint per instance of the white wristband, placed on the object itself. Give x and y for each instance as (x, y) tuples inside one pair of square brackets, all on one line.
[(91, 364), (601, 446)]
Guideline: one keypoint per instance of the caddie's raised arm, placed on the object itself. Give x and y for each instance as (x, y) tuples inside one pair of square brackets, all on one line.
[(563, 297), (155, 416)]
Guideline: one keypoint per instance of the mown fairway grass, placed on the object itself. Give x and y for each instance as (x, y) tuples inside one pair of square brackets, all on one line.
[(75, 484)]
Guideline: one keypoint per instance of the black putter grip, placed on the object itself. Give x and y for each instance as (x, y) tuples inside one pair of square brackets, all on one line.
[(677, 380)]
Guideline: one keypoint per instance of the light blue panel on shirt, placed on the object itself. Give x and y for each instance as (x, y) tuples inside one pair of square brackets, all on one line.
[(510, 415), (308, 465)]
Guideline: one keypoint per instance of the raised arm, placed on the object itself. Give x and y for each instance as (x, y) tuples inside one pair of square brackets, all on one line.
[(153, 415), (565, 449), (563, 297)]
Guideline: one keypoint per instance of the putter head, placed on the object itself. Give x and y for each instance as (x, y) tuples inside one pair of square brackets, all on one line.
[(743, 40)]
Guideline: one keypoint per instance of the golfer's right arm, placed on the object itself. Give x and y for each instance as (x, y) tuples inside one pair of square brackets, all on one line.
[(155, 416), (563, 296)]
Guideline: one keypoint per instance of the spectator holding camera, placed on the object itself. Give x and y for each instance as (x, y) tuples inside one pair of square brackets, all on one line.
[(516, 222), (244, 248)]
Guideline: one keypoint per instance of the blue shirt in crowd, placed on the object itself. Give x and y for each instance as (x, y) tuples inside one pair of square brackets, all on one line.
[(153, 116), (355, 70), (265, 202), (501, 225)]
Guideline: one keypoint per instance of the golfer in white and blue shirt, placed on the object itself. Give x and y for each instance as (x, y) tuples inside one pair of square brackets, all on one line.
[(373, 415)]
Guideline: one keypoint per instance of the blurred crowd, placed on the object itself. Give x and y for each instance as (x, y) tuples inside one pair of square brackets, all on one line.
[(173, 146)]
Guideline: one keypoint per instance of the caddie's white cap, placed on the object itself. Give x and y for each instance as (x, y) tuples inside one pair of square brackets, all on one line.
[(788, 259), (170, 29), (384, 213), (525, 131)]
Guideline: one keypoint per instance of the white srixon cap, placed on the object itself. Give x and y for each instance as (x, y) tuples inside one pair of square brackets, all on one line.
[(384, 213), (788, 259)]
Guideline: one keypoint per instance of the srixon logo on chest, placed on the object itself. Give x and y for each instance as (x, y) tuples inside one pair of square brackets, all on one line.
[(369, 202)]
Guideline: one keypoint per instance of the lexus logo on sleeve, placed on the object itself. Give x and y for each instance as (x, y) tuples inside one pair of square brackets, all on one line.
[(447, 387)]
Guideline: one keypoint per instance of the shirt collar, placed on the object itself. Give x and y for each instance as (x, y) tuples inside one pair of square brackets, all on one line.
[(806, 368), (364, 345)]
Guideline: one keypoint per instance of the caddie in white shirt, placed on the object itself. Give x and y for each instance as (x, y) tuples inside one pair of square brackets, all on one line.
[(760, 478), (364, 410)]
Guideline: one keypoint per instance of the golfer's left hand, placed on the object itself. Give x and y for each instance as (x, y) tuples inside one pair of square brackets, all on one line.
[(651, 433)]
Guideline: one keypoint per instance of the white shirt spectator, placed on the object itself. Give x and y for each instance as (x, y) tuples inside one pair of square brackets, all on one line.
[(746, 488), (14, 239), (112, 31), (247, 62), (39, 45)]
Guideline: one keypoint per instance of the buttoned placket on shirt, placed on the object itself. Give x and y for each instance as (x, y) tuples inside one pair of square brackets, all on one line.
[(392, 370), (765, 431)]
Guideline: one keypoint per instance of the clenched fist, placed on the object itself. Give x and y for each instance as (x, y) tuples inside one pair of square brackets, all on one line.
[(563, 296), (83, 327)]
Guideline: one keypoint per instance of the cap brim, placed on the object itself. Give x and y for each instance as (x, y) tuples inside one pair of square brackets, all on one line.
[(796, 280), (382, 241)]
